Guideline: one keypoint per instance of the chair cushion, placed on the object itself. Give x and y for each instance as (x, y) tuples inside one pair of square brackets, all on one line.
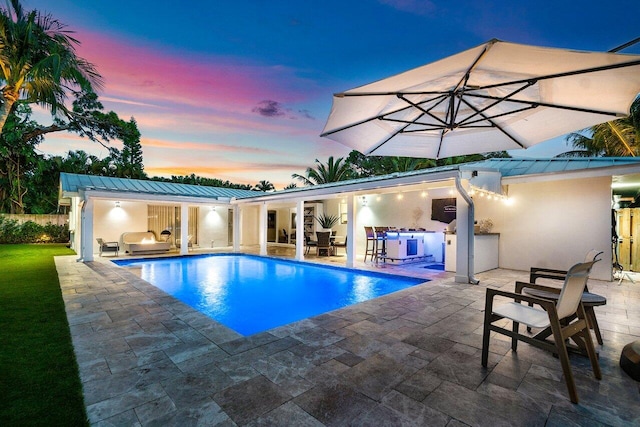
[(530, 316)]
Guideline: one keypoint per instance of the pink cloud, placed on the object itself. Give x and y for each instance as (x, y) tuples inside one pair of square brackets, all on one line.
[(148, 76), (202, 147), (207, 122)]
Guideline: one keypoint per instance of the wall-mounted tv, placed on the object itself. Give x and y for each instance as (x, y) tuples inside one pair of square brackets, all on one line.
[(443, 210)]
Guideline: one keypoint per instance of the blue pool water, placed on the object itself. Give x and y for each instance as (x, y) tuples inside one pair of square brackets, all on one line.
[(250, 294)]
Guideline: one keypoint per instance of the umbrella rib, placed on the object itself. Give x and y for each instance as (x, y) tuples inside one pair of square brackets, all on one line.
[(441, 128), (497, 100), (519, 110), (382, 116), (565, 74), (444, 131), (349, 126), (389, 138), (488, 119), (392, 93), (419, 107), (414, 122), (475, 62), (452, 111), (546, 104), (530, 79)]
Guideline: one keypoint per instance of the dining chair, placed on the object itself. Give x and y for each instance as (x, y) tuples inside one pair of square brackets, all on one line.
[(324, 242)]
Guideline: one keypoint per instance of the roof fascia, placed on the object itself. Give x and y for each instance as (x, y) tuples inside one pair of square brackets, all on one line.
[(143, 197), (573, 174), (311, 193)]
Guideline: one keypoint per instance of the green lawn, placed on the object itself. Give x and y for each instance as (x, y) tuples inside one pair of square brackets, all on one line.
[(39, 381)]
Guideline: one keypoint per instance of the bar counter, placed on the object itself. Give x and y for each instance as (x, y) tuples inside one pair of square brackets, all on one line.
[(406, 245)]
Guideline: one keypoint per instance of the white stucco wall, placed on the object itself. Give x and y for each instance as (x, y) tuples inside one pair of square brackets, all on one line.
[(250, 225), (213, 226), (553, 224), (109, 221), (75, 221)]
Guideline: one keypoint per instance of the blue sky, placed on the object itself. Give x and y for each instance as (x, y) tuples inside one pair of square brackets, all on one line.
[(241, 90)]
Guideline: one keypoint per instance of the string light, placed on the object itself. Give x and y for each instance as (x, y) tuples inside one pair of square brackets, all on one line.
[(490, 195)]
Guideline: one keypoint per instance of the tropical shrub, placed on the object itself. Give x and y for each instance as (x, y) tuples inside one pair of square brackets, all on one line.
[(30, 232)]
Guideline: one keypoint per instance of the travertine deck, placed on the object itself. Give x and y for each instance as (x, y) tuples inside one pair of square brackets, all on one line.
[(409, 358)]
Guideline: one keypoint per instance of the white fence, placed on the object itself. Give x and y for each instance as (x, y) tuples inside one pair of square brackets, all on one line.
[(38, 219)]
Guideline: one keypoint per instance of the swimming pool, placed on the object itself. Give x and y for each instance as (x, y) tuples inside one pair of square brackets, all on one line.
[(251, 294)]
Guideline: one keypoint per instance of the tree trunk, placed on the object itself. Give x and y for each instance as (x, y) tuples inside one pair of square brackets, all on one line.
[(16, 190), (9, 98)]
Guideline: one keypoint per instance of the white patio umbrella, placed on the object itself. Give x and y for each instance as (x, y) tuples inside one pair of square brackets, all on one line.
[(497, 96)]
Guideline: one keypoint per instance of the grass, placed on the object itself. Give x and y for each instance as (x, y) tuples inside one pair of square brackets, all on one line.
[(39, 380)]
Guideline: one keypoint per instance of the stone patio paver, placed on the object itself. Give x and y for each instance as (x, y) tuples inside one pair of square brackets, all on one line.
[(408, 358)]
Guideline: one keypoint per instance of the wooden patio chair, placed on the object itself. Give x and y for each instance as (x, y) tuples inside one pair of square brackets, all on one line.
[(563, 320), (589, 300)]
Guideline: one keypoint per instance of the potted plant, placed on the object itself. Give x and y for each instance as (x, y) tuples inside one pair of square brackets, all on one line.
[(327, 221)]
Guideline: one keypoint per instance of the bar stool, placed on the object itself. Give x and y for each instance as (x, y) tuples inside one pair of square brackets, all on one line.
[(371, 243), (381, 240)]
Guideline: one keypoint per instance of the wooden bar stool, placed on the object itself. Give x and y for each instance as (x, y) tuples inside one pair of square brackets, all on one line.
[(371, 243)]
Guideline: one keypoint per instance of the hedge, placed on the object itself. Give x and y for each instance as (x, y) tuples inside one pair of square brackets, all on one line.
[(11, 231)]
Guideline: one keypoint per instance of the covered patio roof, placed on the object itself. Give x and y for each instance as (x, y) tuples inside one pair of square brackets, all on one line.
[(71, 185), (511, 169)]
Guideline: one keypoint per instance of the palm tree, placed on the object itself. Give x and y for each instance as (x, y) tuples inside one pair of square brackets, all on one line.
[(264, 186), (407, 164), (322, 174), (617, 138), (38, 62)]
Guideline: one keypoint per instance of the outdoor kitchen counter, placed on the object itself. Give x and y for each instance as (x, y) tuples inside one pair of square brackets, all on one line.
[(411, 244), (485, 252)]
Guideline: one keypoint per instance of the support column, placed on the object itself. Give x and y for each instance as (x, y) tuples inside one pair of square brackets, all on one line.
[(300, 230), (465, 218), (184, 229), (262, 229), (351, 223), (237, 220), (86, 252)]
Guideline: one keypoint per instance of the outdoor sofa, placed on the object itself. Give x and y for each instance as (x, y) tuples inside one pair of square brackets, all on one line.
[(143, 242)]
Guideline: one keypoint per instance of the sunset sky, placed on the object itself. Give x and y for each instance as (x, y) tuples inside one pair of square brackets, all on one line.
[(241, 90)]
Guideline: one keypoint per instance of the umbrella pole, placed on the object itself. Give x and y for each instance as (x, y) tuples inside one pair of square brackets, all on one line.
[(470, 217)]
